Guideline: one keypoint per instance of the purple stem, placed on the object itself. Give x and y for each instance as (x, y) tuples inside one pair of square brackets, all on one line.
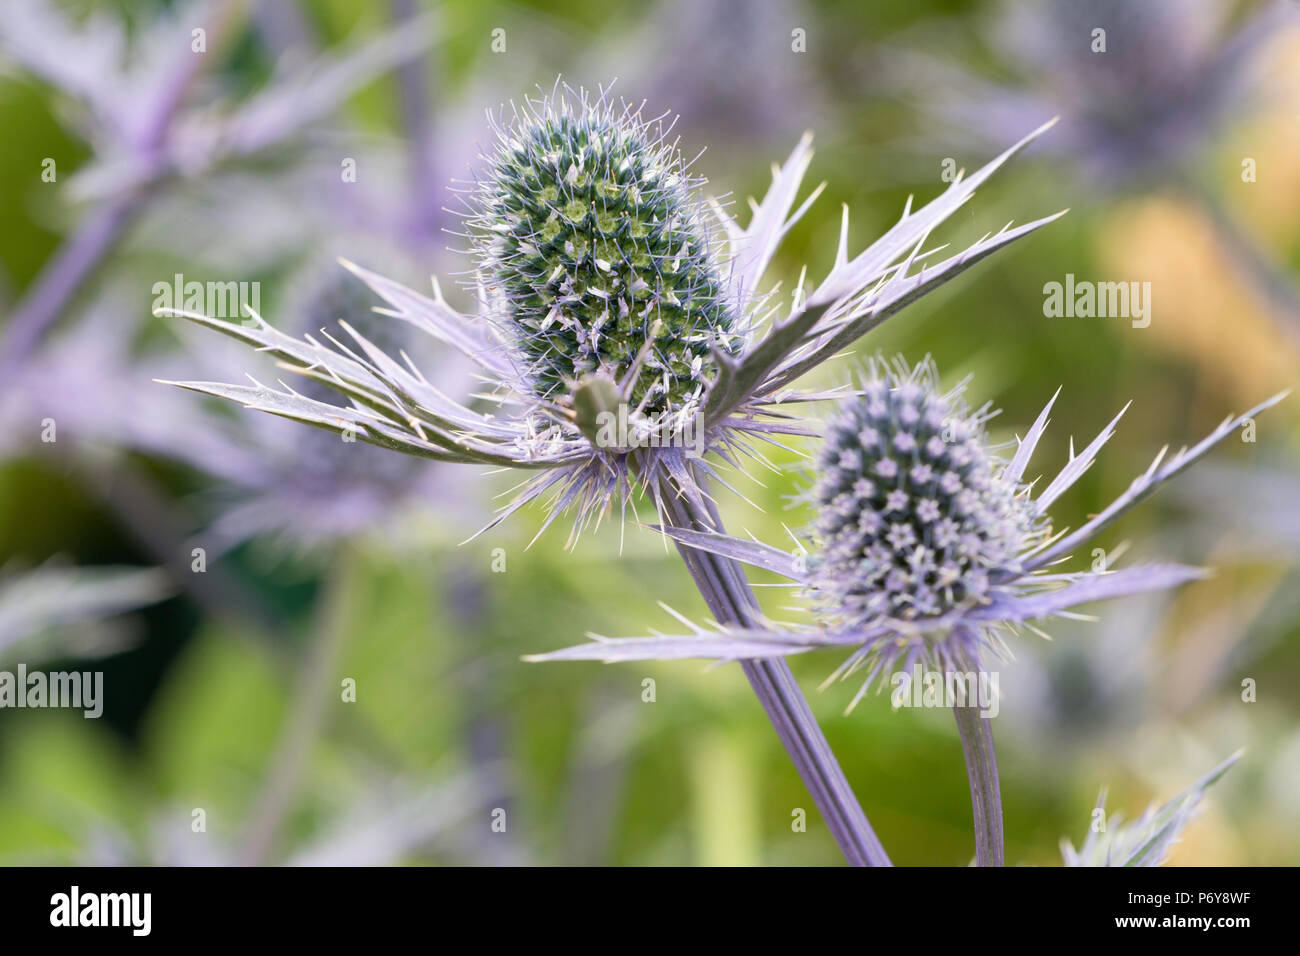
[(725, 589), (417, 120), (72, 266), (985, 792)]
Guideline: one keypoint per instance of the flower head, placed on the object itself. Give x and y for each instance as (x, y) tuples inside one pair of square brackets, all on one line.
[(928, 548), (603, 295), (913, 519), (594, 250)]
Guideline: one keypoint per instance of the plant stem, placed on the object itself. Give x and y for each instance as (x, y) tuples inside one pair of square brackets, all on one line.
[(308, 710), (72, 266), (985, 792), (1269, 277), (722, 584), (424, 189)]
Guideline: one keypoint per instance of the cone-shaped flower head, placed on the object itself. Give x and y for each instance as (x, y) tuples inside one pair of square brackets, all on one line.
[(913, 517), (594, 255)]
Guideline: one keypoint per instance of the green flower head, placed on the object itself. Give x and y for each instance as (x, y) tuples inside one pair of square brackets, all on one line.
[(594, 254)]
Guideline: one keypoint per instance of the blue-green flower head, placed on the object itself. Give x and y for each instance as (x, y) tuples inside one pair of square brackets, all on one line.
[(913, 520), (593, 253)]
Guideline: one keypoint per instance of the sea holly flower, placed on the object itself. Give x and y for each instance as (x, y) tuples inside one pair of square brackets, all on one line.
[(595, 253), (605, 285), (1147, 840), (607, 290), (928, 547)]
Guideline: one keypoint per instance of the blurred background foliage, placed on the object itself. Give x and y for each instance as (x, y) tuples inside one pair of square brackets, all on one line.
[(227, 696)]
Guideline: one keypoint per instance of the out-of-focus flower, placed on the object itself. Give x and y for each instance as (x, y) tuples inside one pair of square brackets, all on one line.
[(147, 127), (137, 89), (299, 487), (927, 547), (385, 822), (1139, 86), (731, 70), (1148, 840), (606, 300)]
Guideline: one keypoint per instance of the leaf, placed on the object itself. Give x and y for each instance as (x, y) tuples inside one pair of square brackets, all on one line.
[(756, 244), (1015, 471), (752, 373), (728, 645), (333, 418), (894, 296)]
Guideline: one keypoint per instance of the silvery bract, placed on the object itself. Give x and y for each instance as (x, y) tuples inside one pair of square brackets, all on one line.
[(927, 545), (1147, 840), (609, 291)]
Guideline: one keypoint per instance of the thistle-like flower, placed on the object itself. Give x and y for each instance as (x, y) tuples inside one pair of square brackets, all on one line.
[(620, 345), (622, 328), (912, 520), (928, 547), (592, 245)]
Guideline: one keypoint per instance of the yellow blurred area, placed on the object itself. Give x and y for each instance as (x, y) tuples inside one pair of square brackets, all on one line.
[(1273, 140), (1202, 309)]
